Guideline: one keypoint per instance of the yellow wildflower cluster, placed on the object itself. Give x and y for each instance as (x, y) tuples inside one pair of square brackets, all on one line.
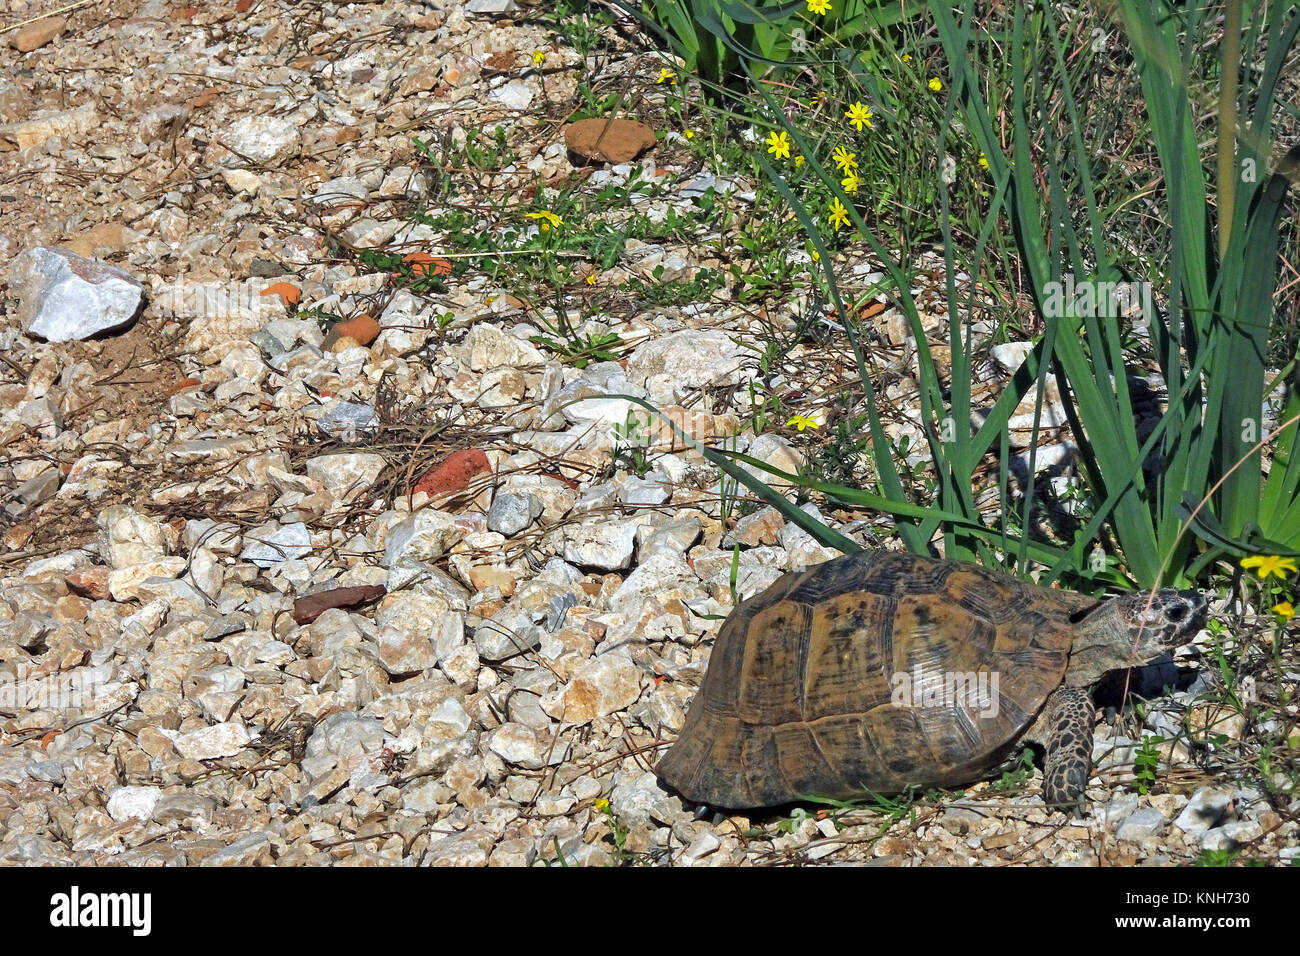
[(1273, 566)]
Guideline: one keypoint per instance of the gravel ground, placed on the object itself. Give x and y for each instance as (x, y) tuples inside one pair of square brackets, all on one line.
[(388, 593)]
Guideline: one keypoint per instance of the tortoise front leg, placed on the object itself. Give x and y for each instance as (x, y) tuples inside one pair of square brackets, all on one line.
[(1067, 736)]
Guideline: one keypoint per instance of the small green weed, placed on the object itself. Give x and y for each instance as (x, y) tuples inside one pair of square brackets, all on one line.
[(1146, 761), (1013, 781), (579, 349), (630, 446), (618, 834)]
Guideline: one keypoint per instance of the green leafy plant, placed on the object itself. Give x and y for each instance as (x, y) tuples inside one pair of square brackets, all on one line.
[(618, 832), (1012, 781), (1146, 761), (650, 292), (708, 38), (794, 821), (413, 276), (1211, 858), (717, 39), (840, 458), (733, 574), (955, 453), (580, 349), (630, 446), (1210, 344), (892, 808), (322, 317)]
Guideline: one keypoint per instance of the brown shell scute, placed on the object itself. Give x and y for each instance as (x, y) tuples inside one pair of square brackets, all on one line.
[(798, 699)]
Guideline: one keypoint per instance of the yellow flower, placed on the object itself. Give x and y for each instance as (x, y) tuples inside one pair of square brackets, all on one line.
[(801, 422), (846, 161), (1270, 564), (851, 182), (816, 256), (984, 161), (778, 144), (1284, 610), (907, 58), (839, 215), (602, 805), (819, 7), (798, 161), (688, 133), (591, 278), (667, 76), (816, 98), (539, 57), (546, 220), (935, 84), (859, 116)]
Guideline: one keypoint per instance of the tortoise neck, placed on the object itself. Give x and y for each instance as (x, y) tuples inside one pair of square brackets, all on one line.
[(1098, 647)]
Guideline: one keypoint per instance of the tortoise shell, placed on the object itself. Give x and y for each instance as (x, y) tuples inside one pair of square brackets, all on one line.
[(821, 686)]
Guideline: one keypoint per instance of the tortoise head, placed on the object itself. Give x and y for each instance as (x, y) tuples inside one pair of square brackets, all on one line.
[(1133, 630)]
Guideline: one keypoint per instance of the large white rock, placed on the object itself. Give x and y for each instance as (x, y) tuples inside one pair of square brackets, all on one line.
[(600, 687), (209, 743), (673, 365), (133, 803), (605, 544), (424, 537), (521, 746), (346, 475), (487, 347), (63, 296), (261, 138), (127, 537), (268, 546)]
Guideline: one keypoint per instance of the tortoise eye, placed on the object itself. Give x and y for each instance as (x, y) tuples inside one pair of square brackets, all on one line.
[(1177, 613)]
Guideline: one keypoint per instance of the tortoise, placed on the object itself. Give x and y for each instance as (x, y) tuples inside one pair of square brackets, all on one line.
[(878, 670)]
